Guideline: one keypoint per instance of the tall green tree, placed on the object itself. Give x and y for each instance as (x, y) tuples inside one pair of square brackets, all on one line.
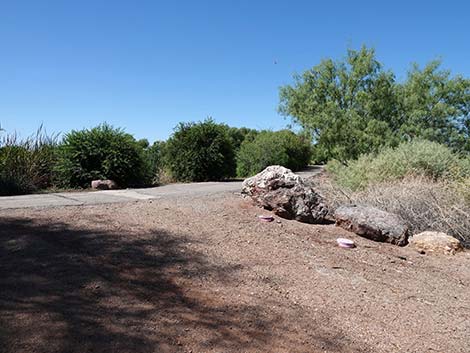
[(354, 106), (348, 106), (435, 106)]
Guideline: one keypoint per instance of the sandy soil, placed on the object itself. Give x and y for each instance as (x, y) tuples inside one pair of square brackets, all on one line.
[(203, 274)]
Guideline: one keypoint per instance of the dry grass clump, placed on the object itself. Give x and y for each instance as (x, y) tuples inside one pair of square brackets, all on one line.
[(26, 165), (426, 204)]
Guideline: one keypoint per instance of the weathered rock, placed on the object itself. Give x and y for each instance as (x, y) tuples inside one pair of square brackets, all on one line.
[(372, 223), (278, 189), (103, 185), (435, 243)]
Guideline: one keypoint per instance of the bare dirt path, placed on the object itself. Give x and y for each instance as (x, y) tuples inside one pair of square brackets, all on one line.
[(202, 274)]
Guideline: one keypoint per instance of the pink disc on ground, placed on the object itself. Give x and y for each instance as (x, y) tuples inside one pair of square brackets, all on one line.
[(345, 243), (266, 218)]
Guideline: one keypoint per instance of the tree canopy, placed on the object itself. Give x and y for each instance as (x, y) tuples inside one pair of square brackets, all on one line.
[(355, 106)]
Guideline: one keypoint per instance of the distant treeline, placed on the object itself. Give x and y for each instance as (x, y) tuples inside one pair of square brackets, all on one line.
[(197, 151)]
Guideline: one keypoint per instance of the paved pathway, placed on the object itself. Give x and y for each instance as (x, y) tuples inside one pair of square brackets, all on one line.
[(112, 196)]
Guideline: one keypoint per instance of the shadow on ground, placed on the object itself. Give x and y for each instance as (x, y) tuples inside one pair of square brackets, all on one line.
[(70, 290)]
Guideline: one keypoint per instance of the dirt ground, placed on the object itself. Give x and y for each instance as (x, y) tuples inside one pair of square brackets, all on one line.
[(203, 274)]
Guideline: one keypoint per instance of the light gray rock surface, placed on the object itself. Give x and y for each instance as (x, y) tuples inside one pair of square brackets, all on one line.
[(372, 223), (103, 185)]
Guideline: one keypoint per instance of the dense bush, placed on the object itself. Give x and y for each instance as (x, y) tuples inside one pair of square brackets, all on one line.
[(423, 158), (26, 165), (154, 156), (103, 152), (273, 148), (200, 152), (238, 135)]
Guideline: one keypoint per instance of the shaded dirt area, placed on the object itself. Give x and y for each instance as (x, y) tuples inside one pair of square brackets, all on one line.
[(202, 274)]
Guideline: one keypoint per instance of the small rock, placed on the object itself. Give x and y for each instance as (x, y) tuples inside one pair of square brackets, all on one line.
[(103, 185), (435, 243)]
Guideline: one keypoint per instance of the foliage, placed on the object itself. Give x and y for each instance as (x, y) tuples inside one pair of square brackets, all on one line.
[(420, 157), (273, 148), (354, 106), (27, 165), (238, 135), (102, 152), (347, 106), (435, 106), (143, 143), (200, 152), (154, 156)]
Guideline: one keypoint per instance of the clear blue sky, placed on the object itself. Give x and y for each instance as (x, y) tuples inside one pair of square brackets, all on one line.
[(146, 65)]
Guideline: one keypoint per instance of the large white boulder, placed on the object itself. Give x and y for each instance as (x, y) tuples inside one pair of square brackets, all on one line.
[(278, 189)]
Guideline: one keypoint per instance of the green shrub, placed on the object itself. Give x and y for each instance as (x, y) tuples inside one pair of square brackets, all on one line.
[(273, 148), (200, 152), (238, 135), (419, 158), (103, 152), (27, 165), (154, 159)]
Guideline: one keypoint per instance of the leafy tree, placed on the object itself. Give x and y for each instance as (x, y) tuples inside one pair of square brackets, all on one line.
[(348, 106), (435, 106), (354, 106), (200, 152), (143, 143)]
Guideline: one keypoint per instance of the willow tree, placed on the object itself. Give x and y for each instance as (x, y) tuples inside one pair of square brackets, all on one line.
[(354, 106), (435, 106), (348, 106)]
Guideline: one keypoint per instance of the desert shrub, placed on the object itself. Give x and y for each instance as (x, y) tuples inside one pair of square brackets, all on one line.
[(200, 152), (354, 105), (423, 158), (102, 152), (27, 165), (273, 148), (463, 186), (424, 203)]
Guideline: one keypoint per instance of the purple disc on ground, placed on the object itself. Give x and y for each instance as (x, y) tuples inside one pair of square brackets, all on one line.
[(266, 218), (345, 243)]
